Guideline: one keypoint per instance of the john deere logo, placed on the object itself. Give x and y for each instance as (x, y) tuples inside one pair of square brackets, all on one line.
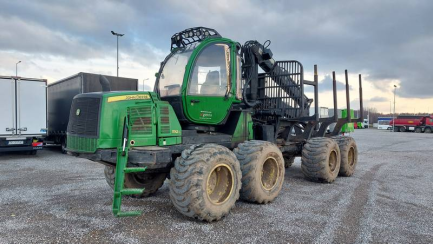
[(77, 112)]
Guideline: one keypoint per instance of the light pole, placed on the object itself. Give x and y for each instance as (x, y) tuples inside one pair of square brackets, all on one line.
[(16, 68), (393, 119), (390, 107), (144, 81), (117, 36)]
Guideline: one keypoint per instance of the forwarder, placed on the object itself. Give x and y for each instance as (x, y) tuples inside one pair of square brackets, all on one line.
[(214, 125)]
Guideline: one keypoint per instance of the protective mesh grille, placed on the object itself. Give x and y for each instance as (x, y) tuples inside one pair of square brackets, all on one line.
[(140, 119), (281, 93), (84, 117), (81, 144), (165, 119)]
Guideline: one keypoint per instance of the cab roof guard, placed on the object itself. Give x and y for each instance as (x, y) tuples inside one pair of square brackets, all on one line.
[(192, 35)]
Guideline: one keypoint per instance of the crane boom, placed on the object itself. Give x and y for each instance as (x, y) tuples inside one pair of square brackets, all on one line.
[(255, 54)]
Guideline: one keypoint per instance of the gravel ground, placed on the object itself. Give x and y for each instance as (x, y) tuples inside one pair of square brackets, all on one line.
[(54, 198)]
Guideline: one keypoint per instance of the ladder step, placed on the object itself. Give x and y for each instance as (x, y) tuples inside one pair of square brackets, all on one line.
[(134, 169), (131, 191), (128, 213)]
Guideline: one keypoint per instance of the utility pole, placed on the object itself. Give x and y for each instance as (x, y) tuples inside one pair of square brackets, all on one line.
[(390, 107), (117, 36), (144, 81), (16, 68), (393, 119)]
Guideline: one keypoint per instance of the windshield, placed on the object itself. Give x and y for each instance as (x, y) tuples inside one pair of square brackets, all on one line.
[(171, 78)]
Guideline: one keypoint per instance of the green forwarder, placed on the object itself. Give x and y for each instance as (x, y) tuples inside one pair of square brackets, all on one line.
[(214, 125)]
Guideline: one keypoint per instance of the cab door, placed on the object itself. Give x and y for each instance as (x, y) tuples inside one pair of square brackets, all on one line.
[(31, 107), (208, 93), (7, 101)]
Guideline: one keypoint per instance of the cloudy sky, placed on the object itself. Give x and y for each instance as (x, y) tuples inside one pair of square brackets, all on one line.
[(389, 42)]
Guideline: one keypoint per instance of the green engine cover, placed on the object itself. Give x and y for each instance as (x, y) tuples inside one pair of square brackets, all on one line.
[(92, 127)]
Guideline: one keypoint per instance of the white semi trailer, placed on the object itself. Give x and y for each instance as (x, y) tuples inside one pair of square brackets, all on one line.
[(23, 114)]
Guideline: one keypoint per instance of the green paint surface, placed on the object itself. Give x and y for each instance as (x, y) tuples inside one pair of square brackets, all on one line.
[(151, 123), (244, 128), (169, 131), (210, 109), (348, 127)]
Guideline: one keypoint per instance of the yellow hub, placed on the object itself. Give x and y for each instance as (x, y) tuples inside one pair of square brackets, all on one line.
[(220, 184), (270, 172), (351, 156), (332, 161)]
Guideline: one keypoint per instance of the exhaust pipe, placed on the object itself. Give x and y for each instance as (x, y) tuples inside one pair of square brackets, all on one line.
[(105, 83)]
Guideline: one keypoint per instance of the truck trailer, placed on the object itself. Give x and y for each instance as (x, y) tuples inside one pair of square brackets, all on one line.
[(23, 119), (61, 93), (416, 123)]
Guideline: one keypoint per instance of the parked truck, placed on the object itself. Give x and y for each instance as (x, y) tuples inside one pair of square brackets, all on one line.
[(61, 93), (365, 124), (23, 118), (416, 123), (383, 123)]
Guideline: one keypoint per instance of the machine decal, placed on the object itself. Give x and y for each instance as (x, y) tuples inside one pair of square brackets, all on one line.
[(205, 114), (128, 97)]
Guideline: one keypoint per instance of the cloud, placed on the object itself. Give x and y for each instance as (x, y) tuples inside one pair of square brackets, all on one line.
[(145, 88), (388, 41), (326, 84), (33, 38), (379, 99)]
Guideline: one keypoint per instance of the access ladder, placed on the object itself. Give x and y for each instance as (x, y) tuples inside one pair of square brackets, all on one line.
[(121, 170)]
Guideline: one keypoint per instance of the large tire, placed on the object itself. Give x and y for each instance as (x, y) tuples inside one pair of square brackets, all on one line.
[(151, 182), (321, 160), (401, 129), (349, 155), (288, 160), (262, 167), (427, 130), (205, 182), (64, 145), (418, 130)]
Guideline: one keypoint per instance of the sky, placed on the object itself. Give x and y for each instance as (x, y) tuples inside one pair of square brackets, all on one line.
[(389, 42)]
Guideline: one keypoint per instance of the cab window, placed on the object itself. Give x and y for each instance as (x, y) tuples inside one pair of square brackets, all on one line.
[(211, 72), (239, 81), (171, 78)]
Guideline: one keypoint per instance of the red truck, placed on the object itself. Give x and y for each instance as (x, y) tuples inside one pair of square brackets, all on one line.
[(419, 124)]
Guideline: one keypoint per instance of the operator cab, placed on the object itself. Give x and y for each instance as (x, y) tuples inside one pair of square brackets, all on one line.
[(197, 77)]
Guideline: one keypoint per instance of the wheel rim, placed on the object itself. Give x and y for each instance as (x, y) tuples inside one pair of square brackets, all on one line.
[(332, 161), (351, 156), (142, 178), (270, 172), (220, 184)]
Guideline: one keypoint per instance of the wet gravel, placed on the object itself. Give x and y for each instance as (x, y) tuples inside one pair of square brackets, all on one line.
[(58, 198)]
